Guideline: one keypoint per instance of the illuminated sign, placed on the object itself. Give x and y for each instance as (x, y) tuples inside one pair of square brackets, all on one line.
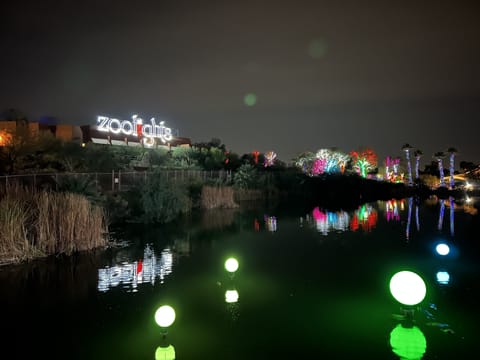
[(145, 132)]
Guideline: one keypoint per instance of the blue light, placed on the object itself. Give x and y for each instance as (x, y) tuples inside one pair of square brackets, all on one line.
[(442, 249)]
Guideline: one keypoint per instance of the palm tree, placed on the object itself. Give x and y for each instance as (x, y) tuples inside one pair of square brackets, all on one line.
[(439, 157), (452, 151), (406, 148), (418, 154)]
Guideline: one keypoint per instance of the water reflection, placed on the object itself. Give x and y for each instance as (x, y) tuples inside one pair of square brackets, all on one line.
[(409, 218), (440, 215), (443, 277), (408, 342), (270, 223), (452, 209), (417, 218), (364, 218), (391, 209), (260, 294), (130, 274), (326, 221), (165, 351), (231, 302)]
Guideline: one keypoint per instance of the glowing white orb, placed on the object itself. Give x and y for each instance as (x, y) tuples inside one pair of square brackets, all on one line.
[(408, 288), (442, 249), (231, 265), (165, 316)]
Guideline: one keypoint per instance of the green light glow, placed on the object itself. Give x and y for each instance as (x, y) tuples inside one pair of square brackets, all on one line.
[(317, 48), (250, 99), (408, 343), (408, 288), (231, 265), (165, 353), (165, 316)]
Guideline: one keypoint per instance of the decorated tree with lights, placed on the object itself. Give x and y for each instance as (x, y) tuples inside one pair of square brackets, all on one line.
[(364, 161), (269, 159), (439, 157), (407, 148), (452, 151), (318, 166), (418, 154), (388, 164), (305, 162), (330, 161), (324, 161), (396, 163)]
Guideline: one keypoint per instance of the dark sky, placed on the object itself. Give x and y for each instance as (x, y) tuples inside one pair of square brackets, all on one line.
[(345, 74)]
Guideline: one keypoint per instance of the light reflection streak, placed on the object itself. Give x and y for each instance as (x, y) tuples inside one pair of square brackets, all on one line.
[(130, 274), (452, 216), (391, 210), (440, 215), (409, 219), (326, 221), (417, 218)]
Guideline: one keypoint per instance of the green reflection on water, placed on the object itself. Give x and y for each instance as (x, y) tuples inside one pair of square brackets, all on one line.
[(165, 353), (408, 342)]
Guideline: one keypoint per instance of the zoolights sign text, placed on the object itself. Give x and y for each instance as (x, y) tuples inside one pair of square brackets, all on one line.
[(145, 132)]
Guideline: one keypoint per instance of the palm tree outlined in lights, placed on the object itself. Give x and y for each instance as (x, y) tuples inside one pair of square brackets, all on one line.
[(406, 148), (418, 154), (452, 151), (439, 157)]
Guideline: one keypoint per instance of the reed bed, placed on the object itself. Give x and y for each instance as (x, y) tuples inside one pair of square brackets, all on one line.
[(41, 223), (248, 194), (215, 197)]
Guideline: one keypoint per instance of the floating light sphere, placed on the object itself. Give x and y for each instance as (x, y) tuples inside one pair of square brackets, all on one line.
[(442, 249), (408, 342), (165, 316), (231, 296), (231, 265), (250, 99), (408, 288)]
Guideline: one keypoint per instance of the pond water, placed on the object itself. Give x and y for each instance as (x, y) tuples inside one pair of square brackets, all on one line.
[(311, 283)]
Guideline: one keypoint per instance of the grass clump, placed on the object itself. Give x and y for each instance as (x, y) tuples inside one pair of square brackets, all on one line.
[(40, 223)]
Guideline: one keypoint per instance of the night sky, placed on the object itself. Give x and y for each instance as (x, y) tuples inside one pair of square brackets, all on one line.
[(344, 74)]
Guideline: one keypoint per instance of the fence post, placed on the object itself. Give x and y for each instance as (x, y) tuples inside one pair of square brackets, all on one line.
[(113, 180), (119, 180)]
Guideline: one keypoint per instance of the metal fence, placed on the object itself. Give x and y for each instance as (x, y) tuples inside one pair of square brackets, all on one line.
[(113, 181)]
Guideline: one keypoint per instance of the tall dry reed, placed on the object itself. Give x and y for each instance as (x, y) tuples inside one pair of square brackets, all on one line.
[(42, 223), (248, 194), (214, 197), (68, 223), (14, 244)]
